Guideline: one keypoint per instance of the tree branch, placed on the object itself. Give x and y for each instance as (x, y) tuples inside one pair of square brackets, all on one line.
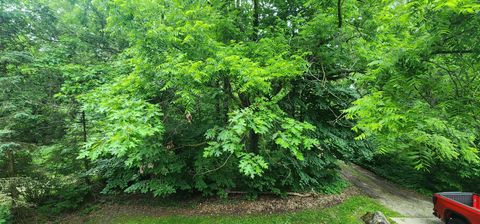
[(223, 164), (338, 74), (192, 145), (456, 52), (311, 194), (339, 13)]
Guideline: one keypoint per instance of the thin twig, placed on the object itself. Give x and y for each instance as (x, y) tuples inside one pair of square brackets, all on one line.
[(311, 194), (209, 171)]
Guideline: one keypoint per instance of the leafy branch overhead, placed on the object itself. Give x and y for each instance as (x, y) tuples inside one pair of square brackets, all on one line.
[(423, 99)]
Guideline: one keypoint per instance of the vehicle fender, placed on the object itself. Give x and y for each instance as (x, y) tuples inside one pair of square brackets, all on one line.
[(451, 214), (476, 201)]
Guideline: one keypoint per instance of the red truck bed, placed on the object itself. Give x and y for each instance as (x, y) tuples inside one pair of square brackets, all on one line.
[(457, 207)]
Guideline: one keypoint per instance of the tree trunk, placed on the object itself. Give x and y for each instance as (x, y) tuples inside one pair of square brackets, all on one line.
[(256, 19), (84, 126), (12, 175), (86, 163), (254, 139), (228, 92), (339, 13)]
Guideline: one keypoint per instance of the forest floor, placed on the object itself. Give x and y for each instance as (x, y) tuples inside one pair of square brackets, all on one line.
[(236, 205), (348, 211), (414, 208), (402, 205)]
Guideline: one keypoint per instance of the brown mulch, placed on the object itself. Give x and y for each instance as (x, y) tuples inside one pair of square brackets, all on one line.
[(271, 204), (235, 205)]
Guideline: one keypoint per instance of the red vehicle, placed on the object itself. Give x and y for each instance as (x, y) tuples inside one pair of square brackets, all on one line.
[(457, 207)]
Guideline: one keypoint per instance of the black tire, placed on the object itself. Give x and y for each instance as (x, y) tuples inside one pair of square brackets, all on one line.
[(456, 221)]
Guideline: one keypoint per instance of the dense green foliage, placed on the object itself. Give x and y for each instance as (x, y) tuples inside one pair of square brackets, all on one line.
[(440, 177), (199, 105), (163, 97), (5, 207), (422, 78), (423, 99)]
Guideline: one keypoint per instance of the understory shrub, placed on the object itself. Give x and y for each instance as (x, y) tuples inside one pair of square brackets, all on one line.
[(65, 197), (5, 207)]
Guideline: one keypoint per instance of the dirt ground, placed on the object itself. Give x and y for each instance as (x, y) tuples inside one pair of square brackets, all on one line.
[(236, 205), (415, 208)]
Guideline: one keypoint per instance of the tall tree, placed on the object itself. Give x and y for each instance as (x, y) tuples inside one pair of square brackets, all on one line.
[(28, 117), (225, 109), (421, 86)]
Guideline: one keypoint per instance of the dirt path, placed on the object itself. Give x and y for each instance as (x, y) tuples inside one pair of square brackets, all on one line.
[(415, 208)]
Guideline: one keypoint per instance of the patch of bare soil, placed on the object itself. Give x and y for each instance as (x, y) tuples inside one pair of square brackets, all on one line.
[(270, 204), (235, 205)]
